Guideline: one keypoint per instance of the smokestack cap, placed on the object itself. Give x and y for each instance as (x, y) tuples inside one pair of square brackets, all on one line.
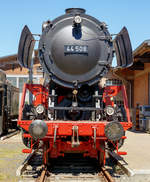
[(75, 10)]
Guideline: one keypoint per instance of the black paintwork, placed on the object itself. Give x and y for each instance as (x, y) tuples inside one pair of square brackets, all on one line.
[(73, 69)]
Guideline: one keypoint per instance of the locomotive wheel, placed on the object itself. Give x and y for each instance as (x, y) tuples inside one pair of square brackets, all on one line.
[(101, 153)]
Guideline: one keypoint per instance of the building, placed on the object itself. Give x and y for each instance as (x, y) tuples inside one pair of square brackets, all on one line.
[(137, 77), (18, 75)]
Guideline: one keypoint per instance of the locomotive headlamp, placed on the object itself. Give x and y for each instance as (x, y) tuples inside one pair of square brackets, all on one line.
[(40, 109), (77, 19), (110, 110), (38, 129), (114, 131), (45, 24)]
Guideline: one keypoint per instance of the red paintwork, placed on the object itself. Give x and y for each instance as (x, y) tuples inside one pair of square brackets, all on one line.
[(27, 151), (64, 128), (60, 98)]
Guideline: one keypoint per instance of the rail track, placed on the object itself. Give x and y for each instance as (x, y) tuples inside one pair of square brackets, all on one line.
[(11, 133), (67, 169)]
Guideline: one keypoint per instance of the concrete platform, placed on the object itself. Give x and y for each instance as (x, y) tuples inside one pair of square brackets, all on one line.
[(137, 145)]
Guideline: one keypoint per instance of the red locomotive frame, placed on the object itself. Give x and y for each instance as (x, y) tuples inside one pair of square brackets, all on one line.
[(53, 145)]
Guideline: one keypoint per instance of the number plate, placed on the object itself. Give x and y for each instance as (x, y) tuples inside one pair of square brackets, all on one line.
[(76, 49)]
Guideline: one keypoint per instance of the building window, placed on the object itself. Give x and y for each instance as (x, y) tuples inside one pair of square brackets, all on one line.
[(13, 81), (22, 81), (19, 81), (35, 80)]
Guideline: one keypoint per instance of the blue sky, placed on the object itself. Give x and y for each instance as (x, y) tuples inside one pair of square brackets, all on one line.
[(14, 14)]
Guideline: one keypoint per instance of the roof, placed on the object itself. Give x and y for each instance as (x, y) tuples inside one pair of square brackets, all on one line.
[(142, 52), (11, 61), (8, 62), (141, 55)]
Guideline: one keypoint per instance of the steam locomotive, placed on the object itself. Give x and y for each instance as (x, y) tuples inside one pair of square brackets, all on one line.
[(9, 102), (72, 112)]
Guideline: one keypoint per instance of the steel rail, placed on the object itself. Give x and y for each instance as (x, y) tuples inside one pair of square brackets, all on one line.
[(45, 175), (42, 177), (9, 135), (106, 174), (23, 166)]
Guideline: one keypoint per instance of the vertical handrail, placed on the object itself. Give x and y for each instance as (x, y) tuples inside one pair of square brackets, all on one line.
[(125, 99), (22, 102)]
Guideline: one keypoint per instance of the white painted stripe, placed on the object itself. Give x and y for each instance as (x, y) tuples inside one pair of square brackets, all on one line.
[(141, 171)]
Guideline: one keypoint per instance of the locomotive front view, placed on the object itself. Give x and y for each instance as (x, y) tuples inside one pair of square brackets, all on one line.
[(72, 112)]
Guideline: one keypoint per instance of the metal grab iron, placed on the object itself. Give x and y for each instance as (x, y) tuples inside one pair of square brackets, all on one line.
[(75, 137)]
